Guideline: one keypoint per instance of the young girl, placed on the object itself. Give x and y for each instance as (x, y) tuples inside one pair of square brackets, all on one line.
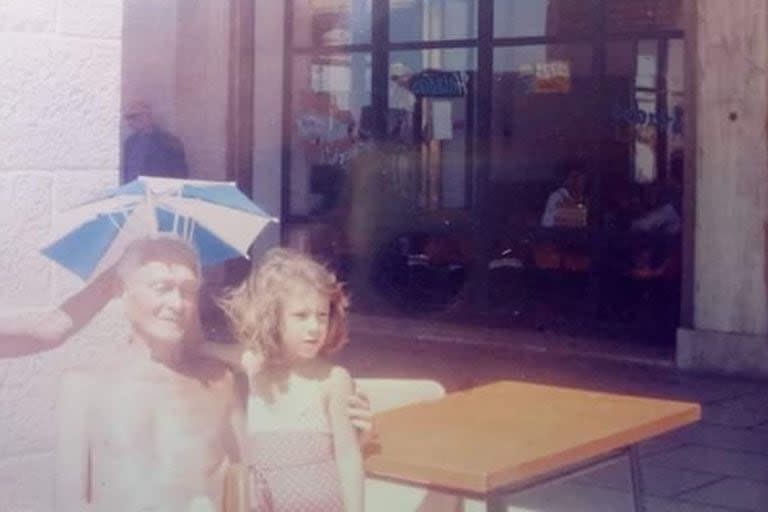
[(302, 449)]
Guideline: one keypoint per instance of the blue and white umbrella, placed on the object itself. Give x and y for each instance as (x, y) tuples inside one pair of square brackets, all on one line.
[(213, 216)]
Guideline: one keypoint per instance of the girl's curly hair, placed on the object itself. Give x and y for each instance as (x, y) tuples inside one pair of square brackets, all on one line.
[(254, 307)]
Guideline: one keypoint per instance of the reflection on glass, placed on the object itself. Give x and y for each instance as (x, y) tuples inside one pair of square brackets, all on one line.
[(542, 125), (646, 138), (675, 101), (429, 119), (646, 64), (634, 15), (432, 20), (646, 133), (331, 93), (647, 113), (331, 22), (530, 18)]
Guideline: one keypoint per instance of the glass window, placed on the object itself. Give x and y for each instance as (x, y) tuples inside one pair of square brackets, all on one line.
[(637, 15), (647, 112), (331, 22), (541, 121), (430, 118), (331, 94), (432, 20), (530, 18), (675, 110), (644, 149)]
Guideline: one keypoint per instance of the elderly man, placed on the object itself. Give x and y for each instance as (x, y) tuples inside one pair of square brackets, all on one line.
[(157, 426), (150, 150)]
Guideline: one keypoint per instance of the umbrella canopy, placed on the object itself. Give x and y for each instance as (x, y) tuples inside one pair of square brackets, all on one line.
[(213, 216)]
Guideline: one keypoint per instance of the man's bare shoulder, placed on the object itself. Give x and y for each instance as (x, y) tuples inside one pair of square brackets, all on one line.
[(207, 366), (209, 370)]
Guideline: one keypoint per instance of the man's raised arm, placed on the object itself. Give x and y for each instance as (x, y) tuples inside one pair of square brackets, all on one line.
[(32, 332)]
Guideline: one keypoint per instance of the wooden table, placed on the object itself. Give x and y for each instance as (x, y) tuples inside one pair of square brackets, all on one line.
[(491, 441)]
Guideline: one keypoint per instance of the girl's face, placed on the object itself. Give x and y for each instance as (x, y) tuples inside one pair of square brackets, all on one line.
[(304, 322)]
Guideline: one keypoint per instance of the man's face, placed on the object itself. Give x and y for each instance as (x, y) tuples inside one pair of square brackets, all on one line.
[(161, 301), (576, 184), (304, 323), (140, 121)]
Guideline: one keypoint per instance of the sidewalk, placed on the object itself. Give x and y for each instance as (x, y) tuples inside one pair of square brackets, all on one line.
[(525, 339), (719, 464)]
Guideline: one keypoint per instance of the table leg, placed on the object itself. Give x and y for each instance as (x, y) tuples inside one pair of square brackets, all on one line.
[(490, 504), (638, 498)]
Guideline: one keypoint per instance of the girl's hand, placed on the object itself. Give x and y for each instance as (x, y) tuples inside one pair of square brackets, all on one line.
[(252, 363)]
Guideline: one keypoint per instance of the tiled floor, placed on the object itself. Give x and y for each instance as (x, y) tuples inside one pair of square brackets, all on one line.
[(719, 464)]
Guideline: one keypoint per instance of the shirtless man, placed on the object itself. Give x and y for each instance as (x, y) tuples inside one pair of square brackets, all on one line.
[(156, 427)]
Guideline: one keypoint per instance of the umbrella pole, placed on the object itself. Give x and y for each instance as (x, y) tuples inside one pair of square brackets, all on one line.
[(152, 213)]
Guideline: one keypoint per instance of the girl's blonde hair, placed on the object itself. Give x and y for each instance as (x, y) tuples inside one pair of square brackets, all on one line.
[(254, 307)]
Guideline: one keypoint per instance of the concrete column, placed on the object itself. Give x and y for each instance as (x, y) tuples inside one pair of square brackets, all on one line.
[(59, 143), (268, 94), (149, 57), (269, 91), (730, 56), (202, 74)]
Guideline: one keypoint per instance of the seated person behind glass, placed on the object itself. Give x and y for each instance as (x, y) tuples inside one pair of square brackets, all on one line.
[(565, 206), (660, 218)]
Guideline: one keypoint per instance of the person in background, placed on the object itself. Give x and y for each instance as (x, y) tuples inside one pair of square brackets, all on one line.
[(570, 194), (662, 223), (150, 150)]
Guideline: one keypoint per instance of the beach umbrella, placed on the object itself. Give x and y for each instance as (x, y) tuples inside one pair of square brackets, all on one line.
[(218, 220)]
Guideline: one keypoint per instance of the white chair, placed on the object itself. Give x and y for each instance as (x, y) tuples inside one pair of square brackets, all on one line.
[(382, 496)]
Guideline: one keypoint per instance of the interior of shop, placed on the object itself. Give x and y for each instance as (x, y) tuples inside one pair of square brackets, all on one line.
[(516, 163)]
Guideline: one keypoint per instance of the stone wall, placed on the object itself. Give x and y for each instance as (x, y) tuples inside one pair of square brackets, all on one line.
[(59, 142), (731, 164), (730, 86)]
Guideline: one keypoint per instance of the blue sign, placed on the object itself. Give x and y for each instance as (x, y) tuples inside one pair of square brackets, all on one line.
[(635, 115), (438, 84)]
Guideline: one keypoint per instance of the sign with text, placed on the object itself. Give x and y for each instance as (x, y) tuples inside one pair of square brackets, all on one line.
[(552, 77), (432, 83)]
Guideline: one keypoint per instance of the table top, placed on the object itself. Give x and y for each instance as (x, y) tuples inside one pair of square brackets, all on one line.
[(507, 432)]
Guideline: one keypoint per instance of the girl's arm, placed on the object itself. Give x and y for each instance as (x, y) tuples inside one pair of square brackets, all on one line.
[(349, 459)]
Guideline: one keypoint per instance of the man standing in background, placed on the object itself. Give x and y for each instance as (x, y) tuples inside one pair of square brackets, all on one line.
[(150, 150)]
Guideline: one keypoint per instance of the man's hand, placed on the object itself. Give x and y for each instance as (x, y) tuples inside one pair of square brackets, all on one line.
[(359, 410)]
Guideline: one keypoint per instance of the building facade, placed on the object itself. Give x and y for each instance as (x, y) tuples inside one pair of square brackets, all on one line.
[(458, 114)]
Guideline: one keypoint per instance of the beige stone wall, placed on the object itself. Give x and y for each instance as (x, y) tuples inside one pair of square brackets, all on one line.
[(59, 142), (731, 109)]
